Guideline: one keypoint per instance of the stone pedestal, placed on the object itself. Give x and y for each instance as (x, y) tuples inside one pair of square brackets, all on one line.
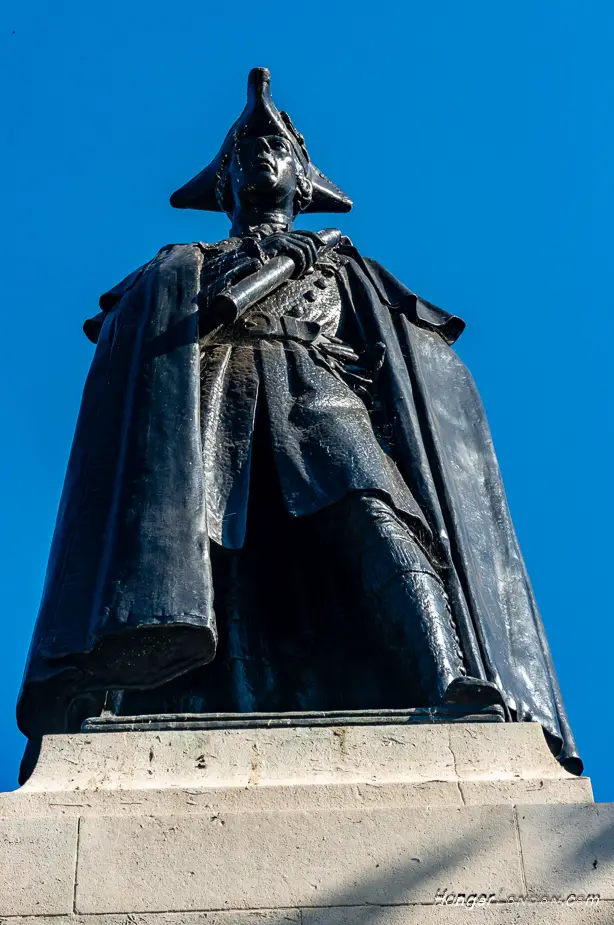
[(321, 825)]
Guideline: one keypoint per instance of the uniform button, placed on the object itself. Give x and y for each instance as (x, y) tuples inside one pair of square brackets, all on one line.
[(320, 283), (310, 295)]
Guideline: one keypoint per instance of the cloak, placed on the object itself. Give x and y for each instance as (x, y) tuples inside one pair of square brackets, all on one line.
[(128, 597)]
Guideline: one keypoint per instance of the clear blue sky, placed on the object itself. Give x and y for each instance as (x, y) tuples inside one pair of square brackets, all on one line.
[(476, 140)]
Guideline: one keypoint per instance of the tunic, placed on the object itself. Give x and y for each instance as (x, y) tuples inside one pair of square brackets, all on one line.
[(285, 352)]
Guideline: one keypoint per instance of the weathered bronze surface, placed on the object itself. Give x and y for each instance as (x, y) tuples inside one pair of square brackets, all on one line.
[(282, 493)]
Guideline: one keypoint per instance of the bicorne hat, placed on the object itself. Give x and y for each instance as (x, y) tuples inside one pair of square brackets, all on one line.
[(260, 117)]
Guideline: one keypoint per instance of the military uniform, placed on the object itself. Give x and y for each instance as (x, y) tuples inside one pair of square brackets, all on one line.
[(289, 357)]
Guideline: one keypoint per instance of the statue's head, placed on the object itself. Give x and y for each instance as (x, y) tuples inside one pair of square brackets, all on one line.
[(262, 166)]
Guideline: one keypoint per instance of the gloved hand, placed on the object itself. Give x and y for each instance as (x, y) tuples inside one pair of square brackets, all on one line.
[(301, 246)]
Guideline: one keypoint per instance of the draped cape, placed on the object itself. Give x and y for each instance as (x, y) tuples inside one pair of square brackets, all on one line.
[(128, 600)]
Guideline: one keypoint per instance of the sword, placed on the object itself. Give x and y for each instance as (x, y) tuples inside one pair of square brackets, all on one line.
[(228, 306)]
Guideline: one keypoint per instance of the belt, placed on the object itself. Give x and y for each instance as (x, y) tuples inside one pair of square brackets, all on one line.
[(262, 325)]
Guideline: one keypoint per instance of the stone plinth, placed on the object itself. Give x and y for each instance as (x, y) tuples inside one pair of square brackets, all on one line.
[(314, 825)]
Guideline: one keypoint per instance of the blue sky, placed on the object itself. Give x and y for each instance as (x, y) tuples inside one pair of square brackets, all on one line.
[(476, 140)]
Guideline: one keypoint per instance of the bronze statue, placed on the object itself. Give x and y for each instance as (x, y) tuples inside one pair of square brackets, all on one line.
[(282, 493)]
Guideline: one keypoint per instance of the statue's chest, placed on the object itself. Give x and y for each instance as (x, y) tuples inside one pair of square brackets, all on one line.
[(315, 297)]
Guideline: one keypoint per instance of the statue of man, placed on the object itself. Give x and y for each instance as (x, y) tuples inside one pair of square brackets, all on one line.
[(298, 509)]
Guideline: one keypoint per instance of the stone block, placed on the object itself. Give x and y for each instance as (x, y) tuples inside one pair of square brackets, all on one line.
[(37, 866), (296, 757), (195, 800), (264, 860), (538, 790), (495, 914), (232, 917), (243, 757), (512, 750), (568, 848), (601, 914)]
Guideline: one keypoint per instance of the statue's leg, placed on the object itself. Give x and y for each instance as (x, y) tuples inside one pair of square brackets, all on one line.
[(403, 597)]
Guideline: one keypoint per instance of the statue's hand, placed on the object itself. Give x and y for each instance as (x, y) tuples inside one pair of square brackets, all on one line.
[(301, 246)]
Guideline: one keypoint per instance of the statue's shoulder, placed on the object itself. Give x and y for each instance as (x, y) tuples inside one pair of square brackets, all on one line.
[(176, 253), (172, 256), (195, 250), (398, 299), (168, 257), (218, 247), (212, 253)]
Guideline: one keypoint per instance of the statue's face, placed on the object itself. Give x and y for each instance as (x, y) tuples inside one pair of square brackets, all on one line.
[(263, 170)]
